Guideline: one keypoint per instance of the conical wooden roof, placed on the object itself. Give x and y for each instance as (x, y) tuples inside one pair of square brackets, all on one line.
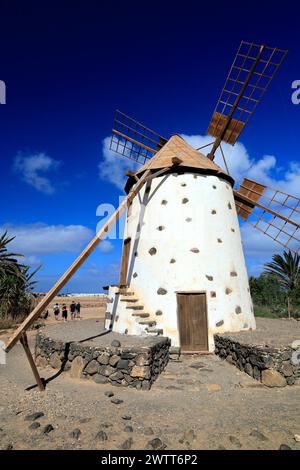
[(190, 159)]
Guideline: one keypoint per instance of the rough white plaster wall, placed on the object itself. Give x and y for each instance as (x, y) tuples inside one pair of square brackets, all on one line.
[(199, 213)]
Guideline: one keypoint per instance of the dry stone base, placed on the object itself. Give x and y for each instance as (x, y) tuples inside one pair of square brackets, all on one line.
[(272, 366), (135, 366)]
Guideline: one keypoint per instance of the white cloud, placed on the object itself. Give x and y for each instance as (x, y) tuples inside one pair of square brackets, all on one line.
[(29, 168), (264, 169), (113, 166), (106, 246), (43, 239)]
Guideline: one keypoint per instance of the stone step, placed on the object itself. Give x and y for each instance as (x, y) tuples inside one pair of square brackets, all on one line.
[(125, 293), (135, 307), (141, 315), (131, 300), (147, 322), (155, 331)]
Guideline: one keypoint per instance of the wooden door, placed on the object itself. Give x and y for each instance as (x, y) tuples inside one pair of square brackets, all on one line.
[(192, 321), (124, 262)]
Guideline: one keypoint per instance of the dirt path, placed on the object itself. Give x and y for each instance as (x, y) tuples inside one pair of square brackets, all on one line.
[(198, 403)]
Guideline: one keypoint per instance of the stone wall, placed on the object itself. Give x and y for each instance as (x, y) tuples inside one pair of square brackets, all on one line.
[(271, 366), (136, 367)]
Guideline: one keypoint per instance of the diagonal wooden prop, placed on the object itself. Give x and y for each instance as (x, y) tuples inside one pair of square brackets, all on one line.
[(77, 263)]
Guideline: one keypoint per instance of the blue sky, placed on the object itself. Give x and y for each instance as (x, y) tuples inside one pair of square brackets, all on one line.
[(68, 65)]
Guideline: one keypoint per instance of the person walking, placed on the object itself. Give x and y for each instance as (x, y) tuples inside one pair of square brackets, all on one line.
[(56, 311), (64, 312), (73, 310), (78, 306)]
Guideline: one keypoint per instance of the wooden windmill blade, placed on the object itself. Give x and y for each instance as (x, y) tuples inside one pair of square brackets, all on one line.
[(250, 75), (133, 140), (273, 212)]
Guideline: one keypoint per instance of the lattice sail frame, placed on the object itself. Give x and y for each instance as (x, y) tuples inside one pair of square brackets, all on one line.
[(133, 140), (273, 212), (250, 75)]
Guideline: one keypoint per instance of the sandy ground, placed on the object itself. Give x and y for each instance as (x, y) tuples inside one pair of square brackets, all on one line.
[(200, 402)]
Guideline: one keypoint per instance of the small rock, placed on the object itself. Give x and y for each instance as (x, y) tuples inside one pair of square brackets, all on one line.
[(48, 428), (194, 250), (109, 394), (35, 425), (9, 446), (152, 251), (115, 343), (75, 434), (127, 444), (235, 441), (101, 436), (128, 429), (34, 416), (148, 431), (258, 435), (189, 436), (297, 437), (213, 387), (116, 401), (284, 447), (126, 417), (156, 444), (92, 367), (272, 378), (99, 379), (198, 365)]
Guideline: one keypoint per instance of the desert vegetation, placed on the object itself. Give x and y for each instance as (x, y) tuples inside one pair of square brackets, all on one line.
[(16, 285), (276, 292)]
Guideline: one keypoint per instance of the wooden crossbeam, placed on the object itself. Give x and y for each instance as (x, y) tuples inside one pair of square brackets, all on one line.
[(24, 342)]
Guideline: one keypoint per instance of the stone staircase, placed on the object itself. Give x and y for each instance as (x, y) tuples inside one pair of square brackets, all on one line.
[(146, 324)]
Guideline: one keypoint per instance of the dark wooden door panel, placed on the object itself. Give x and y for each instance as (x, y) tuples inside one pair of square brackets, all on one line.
[(124, 262), (192, 321)]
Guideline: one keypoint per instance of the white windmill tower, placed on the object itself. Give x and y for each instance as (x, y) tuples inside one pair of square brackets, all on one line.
[(183, 271)]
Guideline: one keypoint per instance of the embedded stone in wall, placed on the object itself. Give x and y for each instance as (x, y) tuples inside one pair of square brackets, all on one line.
[(209, 278), (229, 205), (158, 312), (135, 275), (238, 310), (220, 323), (172, 261), (164, 202), (228, 290), (161, 291), (185, 200), (213, 212), (233, 230), (188, 219), (160, 228), (194, 250), (214, 187), (233, 274), (183, 184), (213, 294), (220, 240), (272, 378), (152, 251)]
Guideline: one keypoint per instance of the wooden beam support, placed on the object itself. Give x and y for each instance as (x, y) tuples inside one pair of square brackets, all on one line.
[(24, 342), (77, 263)]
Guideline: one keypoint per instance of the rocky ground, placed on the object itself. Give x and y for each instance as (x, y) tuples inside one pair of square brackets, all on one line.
[(198, 403)]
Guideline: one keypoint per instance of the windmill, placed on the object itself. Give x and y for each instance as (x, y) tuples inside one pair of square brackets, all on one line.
[(189, 287)]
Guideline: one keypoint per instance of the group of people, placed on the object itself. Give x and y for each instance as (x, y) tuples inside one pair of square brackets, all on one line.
[(74, 311)]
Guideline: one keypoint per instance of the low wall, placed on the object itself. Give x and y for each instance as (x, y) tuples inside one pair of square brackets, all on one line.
[(134, 366), (274, 367)]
